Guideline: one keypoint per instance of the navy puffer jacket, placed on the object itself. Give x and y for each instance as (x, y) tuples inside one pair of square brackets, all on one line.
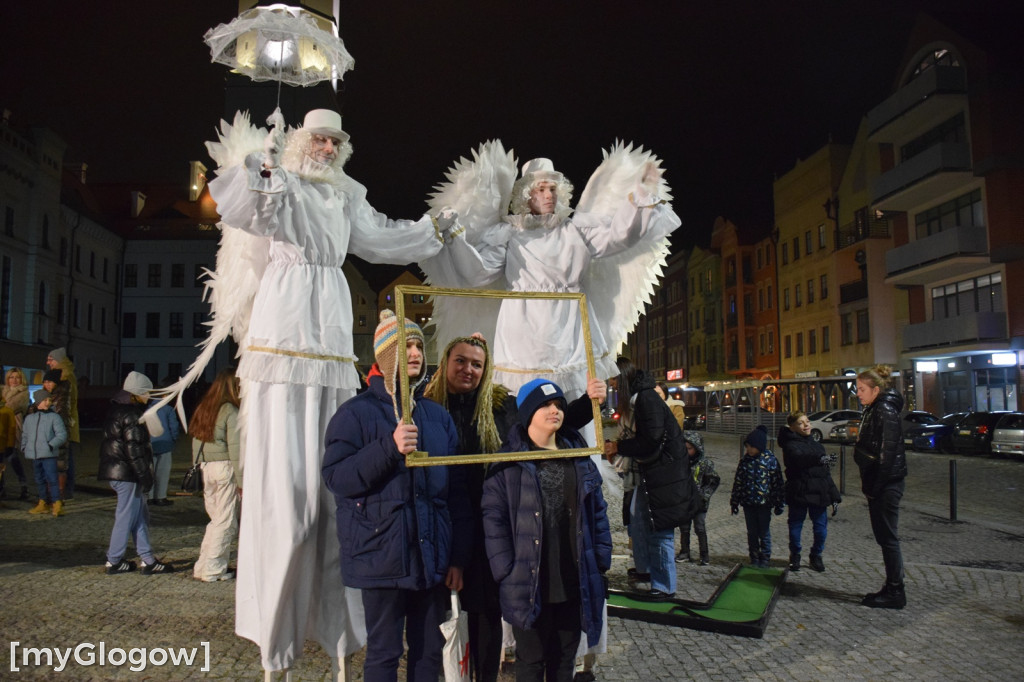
[(398, 527), (808, 478), (513, 528), (125, 453), (879, 451)]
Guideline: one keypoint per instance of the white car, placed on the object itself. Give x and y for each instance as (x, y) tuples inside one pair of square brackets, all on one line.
[(823, 422)]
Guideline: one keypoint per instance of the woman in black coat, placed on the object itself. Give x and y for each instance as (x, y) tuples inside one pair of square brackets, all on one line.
[(883, 470), (810, 490)]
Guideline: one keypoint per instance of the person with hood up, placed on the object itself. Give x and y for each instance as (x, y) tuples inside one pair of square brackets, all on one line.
[(707, 480), (547, 538), (758, 488), (405, 532), (41, 438), (810, 490), (666, 496), (126, 460), (883, 471)]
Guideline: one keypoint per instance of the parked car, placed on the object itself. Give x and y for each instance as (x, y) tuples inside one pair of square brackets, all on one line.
[(916, 418), (846, 432), (1008, 436), (695, 421), (822, 422), (973, 435), (933, 436)]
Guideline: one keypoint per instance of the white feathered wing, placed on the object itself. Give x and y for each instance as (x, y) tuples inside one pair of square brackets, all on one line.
[(619, 287), (241, 261), (479, 190)]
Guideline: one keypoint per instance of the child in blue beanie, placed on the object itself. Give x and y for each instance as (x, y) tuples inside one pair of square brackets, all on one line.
[(758, 488)]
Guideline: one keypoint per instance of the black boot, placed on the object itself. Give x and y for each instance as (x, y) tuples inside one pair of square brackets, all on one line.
[(817, 564), (890, 597), (794, 561)]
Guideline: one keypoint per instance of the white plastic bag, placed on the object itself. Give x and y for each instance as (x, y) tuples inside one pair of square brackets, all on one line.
[(456, 643)]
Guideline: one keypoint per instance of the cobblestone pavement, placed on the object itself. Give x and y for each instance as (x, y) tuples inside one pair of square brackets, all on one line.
[(964, 619)]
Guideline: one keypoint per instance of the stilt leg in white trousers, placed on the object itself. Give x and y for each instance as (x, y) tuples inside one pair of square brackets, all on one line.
[(289, 578)]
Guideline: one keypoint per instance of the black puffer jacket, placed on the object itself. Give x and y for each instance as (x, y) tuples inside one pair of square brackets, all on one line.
[(879, 450), (125, 453), (808, 478), (671, 492)]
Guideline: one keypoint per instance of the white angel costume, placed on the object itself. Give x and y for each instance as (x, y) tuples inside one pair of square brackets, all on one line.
[(297, 367), (613, 249)]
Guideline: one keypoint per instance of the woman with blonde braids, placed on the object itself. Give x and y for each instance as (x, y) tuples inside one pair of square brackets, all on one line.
[(484, 413), (214, 431)]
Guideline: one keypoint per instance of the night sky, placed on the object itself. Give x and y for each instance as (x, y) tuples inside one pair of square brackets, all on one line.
[(728, 96)]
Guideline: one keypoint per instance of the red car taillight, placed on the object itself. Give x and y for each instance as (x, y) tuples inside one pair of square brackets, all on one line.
[(982, 430)]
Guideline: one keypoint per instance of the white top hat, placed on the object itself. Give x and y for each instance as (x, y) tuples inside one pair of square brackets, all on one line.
[(541, 169), (325, 122)]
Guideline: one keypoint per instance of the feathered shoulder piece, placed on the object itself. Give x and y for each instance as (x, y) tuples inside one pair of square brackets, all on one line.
[(479, 189), (618, 175), (241, 260)]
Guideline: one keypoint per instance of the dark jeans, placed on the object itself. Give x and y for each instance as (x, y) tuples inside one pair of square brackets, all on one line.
[(485, 645), (759, 534), (417, 613), (700, 528), (885, 519), (547, 651), (819, 523)]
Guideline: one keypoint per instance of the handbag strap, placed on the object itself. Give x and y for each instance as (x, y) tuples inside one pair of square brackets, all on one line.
[(199, 455)]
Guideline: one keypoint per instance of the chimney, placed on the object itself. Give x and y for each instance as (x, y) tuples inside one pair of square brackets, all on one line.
[(138, 203)]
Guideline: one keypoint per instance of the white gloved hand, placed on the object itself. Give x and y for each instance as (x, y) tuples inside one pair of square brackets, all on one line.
[(651, 178), (446, 217), (274, 142)]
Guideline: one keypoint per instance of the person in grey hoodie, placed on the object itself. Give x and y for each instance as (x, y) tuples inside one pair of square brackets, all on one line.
[(41, 437)]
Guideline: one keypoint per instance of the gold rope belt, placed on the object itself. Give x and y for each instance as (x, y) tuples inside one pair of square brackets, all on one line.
[(297, 354)]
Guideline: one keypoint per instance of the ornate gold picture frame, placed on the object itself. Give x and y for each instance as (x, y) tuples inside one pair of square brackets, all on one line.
[(419, 458)]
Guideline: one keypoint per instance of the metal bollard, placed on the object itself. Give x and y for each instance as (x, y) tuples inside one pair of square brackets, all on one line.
[(952, 490), (842, 470)]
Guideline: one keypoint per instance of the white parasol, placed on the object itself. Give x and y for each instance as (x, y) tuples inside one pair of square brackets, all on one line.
[(280, 43)]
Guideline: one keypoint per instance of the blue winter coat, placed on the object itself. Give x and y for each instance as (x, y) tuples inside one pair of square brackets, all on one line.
[(42, 435), (398, 527), (513, 535)]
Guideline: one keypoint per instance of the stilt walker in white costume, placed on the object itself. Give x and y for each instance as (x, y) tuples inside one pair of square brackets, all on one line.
[(290, 216), (613, 249)]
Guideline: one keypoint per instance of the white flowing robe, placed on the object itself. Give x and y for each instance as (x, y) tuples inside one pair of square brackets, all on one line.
[(544, 338), (296, 369)]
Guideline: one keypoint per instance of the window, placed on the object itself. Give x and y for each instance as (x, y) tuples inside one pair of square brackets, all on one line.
[(863, 328), (976, 295), (798, 299), (826, 339), (175, 325), (788, 346), (812, 341), (965, 210), (796, 249), (152, 325), (785, 298), (799, 344), (823, 286), (951, 131), (846, 329), (821, 236), (785, 254), (762, 343), (177, 275), (810, 291), (198, 328), (131, 275), (153, 280), (808, 243)]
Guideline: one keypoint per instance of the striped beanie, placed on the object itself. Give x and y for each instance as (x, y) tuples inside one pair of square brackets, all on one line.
[(385, 345)]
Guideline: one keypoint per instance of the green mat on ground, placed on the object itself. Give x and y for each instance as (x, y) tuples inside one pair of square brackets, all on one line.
[(740, 606)]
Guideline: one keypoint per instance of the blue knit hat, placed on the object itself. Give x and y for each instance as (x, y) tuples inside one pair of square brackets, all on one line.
[(534, 394), (758, 438)]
